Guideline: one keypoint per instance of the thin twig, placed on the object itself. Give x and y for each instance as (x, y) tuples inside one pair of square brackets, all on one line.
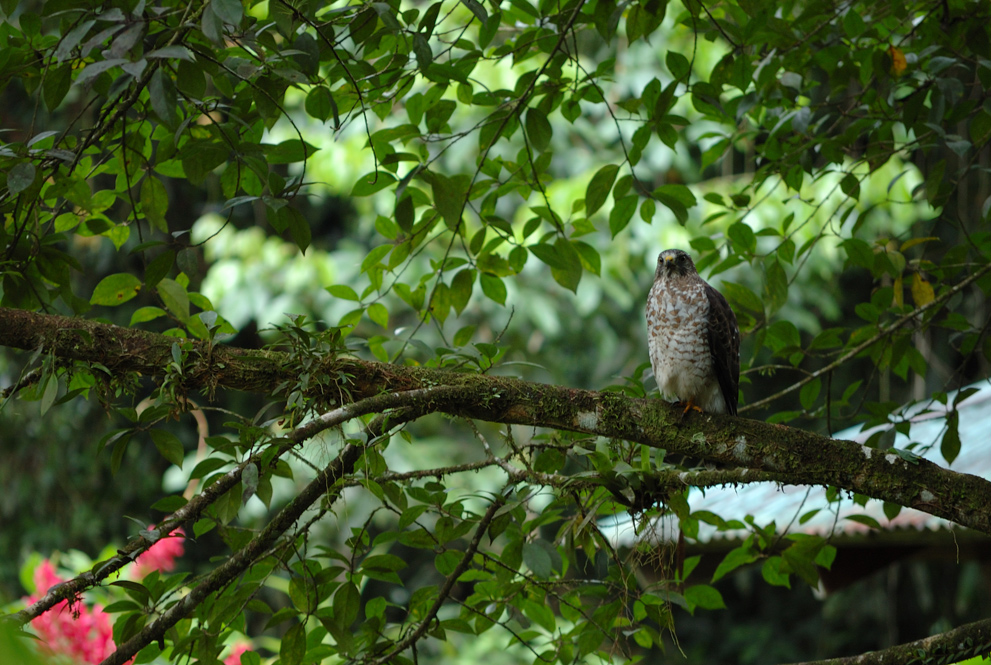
[(881, 334), (445, 591)]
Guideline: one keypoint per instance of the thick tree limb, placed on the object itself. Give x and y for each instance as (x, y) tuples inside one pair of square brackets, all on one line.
[(973, 639), (787, 454)]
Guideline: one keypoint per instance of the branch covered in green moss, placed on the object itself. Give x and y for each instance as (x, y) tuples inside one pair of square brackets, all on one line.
[(782, 453)]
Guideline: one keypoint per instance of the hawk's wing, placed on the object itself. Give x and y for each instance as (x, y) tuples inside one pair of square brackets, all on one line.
[(724, 345)]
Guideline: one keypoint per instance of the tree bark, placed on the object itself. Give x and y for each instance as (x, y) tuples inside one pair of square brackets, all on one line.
[(973, 639), (784, 453)]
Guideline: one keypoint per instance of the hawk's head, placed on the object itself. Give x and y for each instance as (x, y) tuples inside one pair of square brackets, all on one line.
[(674, 263)]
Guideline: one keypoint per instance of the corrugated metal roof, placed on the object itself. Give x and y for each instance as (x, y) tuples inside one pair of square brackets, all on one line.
[(789, 506)]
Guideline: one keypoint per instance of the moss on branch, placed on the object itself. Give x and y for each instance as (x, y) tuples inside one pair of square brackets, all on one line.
[(787, 454)]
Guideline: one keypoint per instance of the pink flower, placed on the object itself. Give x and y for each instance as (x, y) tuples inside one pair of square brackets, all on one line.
[(84, 634), (45, 577), (71, 629), (161, 555), (235, 656)]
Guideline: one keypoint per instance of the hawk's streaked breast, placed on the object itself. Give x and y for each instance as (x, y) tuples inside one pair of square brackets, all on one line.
[(692, 337)]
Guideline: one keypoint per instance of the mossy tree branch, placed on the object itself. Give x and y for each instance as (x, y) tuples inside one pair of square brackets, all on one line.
[(781, 453), (973, 639)]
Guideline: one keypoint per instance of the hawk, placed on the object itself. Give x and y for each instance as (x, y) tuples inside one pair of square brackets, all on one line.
[(692, 337)]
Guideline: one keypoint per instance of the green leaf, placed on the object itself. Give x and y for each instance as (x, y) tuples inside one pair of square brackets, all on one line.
[(548, 254), (228, 11), (489, 29), (207, 466), (622, 213), (379, 314), (537, 559), (463, 336), (289, 152), (446, 562), (190, 78), (935, 182), (859, 253), (440, 302), (772, 573), (743, 238), (742, 297), (95, 69), (383, 562), (449, 197), (678, 65), (866, 520), (493, 287), (49, 394), (144, 314), (343, 291), (826, 557), (229, 504), (949, 446), (810, 393), (775, 285), (980, 128), (647, 210), (58, 80), (736, 557), (154, 202), (115, 289), (540, 614), (477, 9), (168, 446), (20, 178), (200, 157), (302, 592), (320, 104), (853, 24), (800, 557), (704, 596), (163, 96), (175, 298), (590, 259), (292, 647), (176, 51), (599, 187), (346, 603), (564, 262), (850, 185), (679, 193), (677, 198), (169, 504), (461, 287), (375, 256), (538, 129), (296, 224), (405, 213), (117, 455)]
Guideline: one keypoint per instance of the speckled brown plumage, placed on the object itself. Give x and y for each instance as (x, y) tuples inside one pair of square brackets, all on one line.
[(692, 337)]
